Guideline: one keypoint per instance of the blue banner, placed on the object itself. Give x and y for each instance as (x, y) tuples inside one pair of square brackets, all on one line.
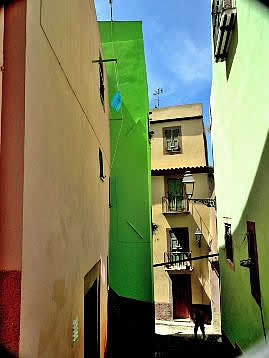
[(116, 101)]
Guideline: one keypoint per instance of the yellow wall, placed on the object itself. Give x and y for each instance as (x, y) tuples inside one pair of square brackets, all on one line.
[(189, 118), (66, 209), (198, 217), (193, 144)]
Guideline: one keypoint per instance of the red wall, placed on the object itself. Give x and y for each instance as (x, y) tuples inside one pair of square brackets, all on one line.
[(12, 172)]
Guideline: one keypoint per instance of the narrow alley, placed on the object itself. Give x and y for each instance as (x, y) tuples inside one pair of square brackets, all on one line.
[(134, 165)]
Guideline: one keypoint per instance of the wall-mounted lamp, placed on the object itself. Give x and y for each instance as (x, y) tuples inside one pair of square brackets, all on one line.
[(189, 188), (248, 263), (198, 237)]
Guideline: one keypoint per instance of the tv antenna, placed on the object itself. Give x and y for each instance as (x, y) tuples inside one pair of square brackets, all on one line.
[(111, 10), (157, 93)]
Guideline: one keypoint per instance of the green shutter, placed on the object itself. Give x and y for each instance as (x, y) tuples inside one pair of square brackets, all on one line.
[(175, 190)]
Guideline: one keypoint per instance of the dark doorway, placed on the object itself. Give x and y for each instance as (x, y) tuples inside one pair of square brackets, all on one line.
[(182, 299), (178, 247), (91, 322)]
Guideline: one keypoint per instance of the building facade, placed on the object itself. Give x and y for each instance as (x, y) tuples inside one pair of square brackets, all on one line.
[(54, 170), (178, 144), (131, 313), (239, 109)]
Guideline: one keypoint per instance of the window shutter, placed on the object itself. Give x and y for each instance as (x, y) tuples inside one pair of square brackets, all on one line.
[(175, 133), (168, 136), (227, 4), (254, 269), (175, 145), (171, 137), (168, 145), (175, 139), (173, 241), (228, 242)]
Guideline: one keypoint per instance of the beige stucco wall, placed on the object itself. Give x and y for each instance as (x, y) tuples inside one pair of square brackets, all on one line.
[(198, 217), (192, 130), (66, 209), (180, 111)]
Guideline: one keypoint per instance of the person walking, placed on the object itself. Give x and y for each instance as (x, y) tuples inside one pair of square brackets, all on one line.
[(198, 317)]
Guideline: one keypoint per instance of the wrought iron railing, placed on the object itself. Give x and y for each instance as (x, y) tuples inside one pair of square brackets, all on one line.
[(172, 256), (175, 204)]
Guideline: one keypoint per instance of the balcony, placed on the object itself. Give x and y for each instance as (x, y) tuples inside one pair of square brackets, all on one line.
[(176, 256), (175, 204)]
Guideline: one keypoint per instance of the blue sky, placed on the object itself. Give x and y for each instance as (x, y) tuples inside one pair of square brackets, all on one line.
[(177, 47)]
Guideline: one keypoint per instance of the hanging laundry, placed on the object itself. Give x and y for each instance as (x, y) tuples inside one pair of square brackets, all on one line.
[(116, 101)]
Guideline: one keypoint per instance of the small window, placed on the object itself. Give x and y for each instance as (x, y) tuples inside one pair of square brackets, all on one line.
[(229, 243), (254, 267), (172, 140), (109, 194), (101, 75), (101, 165)]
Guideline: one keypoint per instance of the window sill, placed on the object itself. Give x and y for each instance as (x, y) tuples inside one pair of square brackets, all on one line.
[(172, 152)]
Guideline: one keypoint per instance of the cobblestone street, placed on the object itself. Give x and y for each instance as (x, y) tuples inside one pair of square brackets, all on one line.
[(174, 346), (174, 338)]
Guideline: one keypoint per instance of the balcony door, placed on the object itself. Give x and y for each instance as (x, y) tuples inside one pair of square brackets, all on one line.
[(175, 194), (178, 246), (178, 240)]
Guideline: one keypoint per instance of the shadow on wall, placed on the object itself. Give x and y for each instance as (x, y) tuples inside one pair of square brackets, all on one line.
[(232, 50), (189, 130), (256, 209), (259, 190), (5, 354), (131, 326), (264, 2), (205, 299)]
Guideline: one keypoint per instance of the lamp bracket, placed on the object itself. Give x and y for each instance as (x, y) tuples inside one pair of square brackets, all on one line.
[(210, 203)]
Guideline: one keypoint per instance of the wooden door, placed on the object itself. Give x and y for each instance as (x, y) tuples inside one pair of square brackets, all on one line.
[(182, 299)]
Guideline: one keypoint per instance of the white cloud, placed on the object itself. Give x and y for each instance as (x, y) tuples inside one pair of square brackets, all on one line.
[(175, 62), (190, 62), (194, 64)]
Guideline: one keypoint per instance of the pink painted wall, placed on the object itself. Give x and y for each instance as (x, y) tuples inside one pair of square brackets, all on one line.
[(13, 35), (12, 136)]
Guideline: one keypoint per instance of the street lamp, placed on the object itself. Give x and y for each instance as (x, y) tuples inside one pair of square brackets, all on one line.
[(189, 188), (198, 236), (189, 184)]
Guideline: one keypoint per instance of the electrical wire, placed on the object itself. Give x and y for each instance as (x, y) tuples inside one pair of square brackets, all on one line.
[(118, 86)]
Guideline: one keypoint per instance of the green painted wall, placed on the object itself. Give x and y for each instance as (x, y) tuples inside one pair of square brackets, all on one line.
[(240, 115), (130, 256)]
